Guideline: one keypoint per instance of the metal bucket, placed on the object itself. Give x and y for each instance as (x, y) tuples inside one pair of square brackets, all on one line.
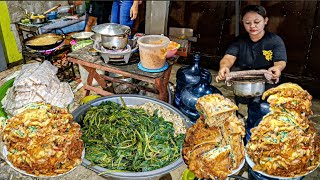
[(120, 88)]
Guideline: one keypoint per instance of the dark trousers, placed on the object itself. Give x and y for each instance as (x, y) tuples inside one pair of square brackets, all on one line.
[(257, 108)]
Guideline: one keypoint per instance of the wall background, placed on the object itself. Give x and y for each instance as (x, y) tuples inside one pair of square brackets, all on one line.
[(11, 51)]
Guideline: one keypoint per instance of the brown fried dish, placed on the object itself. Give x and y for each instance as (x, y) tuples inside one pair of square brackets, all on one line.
[(43, 140), (212, 151), (289, 96), (285, 143), (215, 109)]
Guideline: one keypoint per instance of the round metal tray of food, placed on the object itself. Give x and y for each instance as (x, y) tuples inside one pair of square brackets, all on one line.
[(251, 164), (130, 100), (5, 154)]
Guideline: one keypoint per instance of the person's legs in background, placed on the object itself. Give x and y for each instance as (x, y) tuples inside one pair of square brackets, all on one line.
[(125, 18), (103, 11), (107, 12), (120, 13), (257, 108), (90, 23), (115, 12), (92, 17)]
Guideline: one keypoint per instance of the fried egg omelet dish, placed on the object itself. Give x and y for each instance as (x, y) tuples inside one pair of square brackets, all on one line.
[(43, 140), (285, 143), (213, 146)]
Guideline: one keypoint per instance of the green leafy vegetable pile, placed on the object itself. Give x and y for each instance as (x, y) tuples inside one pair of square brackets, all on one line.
[(127, 139)]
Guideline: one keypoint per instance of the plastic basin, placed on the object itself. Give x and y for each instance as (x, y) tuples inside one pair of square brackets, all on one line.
[(52, 15), (153, 51), (171, 53), (172, 49)]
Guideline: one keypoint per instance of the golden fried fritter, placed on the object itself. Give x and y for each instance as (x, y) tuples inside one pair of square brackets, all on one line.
[(43, 140), (215, 108), (209, 153), (198, 136), (296, 104), (279, 147), (288, 90), (213, 146), (289, 96), (233, 132), (217, 163)]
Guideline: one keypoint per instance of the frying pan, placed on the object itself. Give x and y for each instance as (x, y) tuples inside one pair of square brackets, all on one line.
[(45, 46)]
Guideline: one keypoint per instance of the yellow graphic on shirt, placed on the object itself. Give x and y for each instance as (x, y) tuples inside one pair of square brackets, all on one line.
[(267, 54)]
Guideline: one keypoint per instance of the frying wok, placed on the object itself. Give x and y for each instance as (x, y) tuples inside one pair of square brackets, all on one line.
[(44, 41)]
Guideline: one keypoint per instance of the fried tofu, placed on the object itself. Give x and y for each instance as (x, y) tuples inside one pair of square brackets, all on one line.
[(215, 108)]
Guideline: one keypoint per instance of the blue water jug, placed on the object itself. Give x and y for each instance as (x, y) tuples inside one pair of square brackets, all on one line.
[(190, 95), (188, 75)]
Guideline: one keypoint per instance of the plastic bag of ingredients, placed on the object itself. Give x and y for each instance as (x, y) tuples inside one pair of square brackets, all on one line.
[(75, 45)]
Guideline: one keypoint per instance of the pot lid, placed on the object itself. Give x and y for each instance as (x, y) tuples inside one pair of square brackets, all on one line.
[(111, 29)]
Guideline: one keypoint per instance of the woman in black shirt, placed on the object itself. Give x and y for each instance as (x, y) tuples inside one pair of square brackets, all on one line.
[(257, 49)]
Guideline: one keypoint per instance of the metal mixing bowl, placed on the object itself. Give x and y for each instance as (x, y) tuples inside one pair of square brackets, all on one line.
[(82, 35)]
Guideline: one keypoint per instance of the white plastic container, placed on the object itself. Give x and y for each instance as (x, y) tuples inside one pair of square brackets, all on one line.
[(84, 74), (153, 51)]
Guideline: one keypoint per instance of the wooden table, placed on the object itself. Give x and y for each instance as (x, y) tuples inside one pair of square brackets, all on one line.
[(159, 80)]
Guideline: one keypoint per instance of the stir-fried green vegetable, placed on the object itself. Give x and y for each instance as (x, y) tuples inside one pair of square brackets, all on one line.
[(121, 138)]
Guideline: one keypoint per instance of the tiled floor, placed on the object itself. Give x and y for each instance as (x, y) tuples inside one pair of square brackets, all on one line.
[(82, 173)]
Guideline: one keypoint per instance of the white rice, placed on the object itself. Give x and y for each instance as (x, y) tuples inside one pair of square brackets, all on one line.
[(168, 115)]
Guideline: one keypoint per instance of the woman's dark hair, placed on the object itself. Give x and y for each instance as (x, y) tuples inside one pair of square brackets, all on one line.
[(254, 8)]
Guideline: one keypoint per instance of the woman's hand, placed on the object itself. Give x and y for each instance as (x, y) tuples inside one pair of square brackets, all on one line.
[(223, 72), (225, 64), (276, 70), (134, 10), (276, 73)]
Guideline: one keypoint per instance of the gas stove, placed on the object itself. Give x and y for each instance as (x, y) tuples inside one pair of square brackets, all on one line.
[(121, 55)]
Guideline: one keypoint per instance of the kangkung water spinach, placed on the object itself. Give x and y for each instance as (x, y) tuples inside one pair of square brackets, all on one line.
[(126, 139)]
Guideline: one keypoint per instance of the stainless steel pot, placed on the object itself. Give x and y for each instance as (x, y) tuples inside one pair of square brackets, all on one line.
[(113, 36), (114, 42), (37, 19), (248, 88)]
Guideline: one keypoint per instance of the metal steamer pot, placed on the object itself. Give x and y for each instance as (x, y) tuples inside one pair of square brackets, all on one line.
[(248, 88), (113, 36)]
